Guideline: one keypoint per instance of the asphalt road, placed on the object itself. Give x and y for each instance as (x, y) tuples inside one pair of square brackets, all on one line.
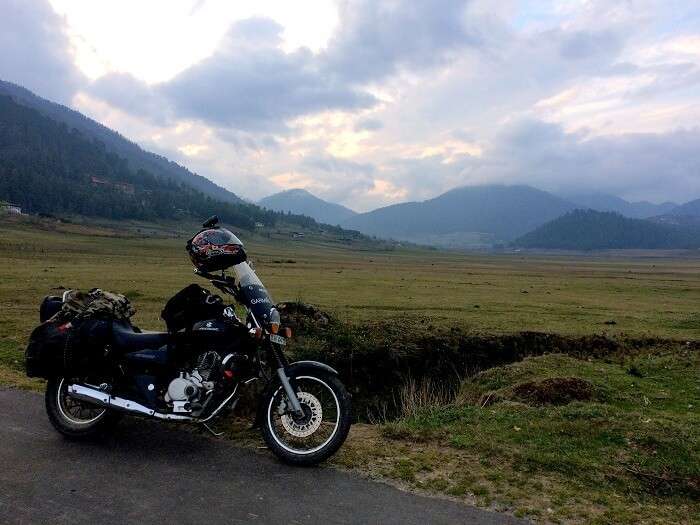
[(153, 473)]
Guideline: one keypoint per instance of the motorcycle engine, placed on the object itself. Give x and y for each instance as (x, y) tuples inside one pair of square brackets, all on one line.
[(190, 389)]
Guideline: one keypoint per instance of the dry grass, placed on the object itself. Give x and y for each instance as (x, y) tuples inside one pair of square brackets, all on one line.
[(418, 396)]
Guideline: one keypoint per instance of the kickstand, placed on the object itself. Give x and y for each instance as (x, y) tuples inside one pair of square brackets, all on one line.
[(215, 434)]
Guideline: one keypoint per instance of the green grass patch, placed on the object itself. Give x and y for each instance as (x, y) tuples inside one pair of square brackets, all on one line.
[(636, 440)]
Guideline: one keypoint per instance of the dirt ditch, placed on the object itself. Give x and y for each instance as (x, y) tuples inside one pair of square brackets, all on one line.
[(378, 360)]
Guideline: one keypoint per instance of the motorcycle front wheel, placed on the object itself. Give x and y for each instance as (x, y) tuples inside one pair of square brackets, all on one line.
[(319, 433)]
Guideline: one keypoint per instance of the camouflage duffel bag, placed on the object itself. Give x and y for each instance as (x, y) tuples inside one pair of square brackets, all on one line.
[(95, 304), (75, 340)]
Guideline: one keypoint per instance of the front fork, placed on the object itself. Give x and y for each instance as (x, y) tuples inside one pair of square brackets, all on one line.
[(291, 394), (289, 390)]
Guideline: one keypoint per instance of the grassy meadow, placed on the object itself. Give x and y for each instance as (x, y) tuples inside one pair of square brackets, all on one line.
[(610, 437), (642, 295)]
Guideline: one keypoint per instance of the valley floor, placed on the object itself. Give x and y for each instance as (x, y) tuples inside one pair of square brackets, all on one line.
[(641, 295), (605, 436)]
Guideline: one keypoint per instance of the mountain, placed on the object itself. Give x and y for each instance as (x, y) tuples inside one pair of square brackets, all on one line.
[(594, 230), (493, 213), (304, 203), (686, 215), (606, 202), (48, 167), (689, 209), (137, 158)]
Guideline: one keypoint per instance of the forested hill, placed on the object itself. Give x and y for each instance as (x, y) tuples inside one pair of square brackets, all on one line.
[(505, 212), (115, 143), (594, 230), (46, 167)]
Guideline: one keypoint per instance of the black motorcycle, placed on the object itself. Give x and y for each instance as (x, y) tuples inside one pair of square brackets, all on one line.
[(197, 370)]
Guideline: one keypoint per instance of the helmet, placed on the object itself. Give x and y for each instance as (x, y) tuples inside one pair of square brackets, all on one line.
[(215, 248)]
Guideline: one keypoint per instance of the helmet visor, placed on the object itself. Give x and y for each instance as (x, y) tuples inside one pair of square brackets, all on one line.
[(222, 236)]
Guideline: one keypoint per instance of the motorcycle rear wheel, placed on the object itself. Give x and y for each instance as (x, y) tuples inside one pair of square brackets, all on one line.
[(320, 433), (72, 418)]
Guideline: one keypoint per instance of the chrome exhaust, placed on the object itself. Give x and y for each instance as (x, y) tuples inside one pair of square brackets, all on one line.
[(98, 397)]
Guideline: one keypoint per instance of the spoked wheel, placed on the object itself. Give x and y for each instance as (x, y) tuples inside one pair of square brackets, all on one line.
[(71, 417), (319, 433)]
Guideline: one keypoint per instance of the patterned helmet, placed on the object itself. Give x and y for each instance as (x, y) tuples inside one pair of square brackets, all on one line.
[(215, 249)]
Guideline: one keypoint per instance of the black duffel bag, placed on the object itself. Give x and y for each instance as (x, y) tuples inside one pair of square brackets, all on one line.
[(191, 304)]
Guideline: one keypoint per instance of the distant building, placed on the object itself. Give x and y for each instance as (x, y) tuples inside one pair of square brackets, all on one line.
[(99, 182), (8, 207), (124, 187), (297, 235), (259, 225)]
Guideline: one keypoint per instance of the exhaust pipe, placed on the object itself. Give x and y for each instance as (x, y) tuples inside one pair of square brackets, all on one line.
[(98, 397)]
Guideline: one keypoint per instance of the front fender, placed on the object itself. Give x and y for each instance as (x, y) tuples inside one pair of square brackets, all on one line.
[(307, 366)]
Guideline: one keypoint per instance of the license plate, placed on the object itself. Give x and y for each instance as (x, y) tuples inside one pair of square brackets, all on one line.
[(278, 339)]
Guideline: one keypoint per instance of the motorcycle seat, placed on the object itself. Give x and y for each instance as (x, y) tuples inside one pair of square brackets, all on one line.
[(126, 339)]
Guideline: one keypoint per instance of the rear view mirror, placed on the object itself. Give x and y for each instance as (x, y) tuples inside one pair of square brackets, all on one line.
[(211, 222)]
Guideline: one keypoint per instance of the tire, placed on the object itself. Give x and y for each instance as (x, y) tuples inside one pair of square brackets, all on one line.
[(70, 425), (329, 446)]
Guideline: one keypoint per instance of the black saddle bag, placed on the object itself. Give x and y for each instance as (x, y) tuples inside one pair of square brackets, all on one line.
[(45, 352), (191, 304), (57, 349)]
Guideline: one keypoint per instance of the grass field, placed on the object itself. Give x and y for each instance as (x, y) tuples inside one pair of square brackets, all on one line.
[(652, 295), (627, 450)]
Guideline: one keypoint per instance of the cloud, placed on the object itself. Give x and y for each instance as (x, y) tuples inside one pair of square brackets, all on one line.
[(368, 124), (126, 92), (653, 166), (35, 51), (377, 38), (249, 83), (637, 166), (337, 179), (585, 45)]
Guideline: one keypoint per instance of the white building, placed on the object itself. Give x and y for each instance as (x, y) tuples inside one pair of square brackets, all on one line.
[(8, 207)]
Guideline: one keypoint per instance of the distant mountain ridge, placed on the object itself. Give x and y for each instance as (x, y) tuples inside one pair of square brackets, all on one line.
[(499, 212), (605, 202), (689, 209), (303, 202), (595, 230), (114, 142), (47, 167)]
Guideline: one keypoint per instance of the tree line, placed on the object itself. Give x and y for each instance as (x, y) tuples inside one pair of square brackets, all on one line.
[(595, 230), (46, 167)]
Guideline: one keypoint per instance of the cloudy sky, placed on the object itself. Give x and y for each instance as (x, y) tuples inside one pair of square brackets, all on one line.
[(368, 103)]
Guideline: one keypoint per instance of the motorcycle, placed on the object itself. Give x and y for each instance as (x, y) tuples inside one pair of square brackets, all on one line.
[(196, 371)]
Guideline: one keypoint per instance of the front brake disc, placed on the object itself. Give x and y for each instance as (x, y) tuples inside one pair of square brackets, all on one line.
[(312, 420)]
